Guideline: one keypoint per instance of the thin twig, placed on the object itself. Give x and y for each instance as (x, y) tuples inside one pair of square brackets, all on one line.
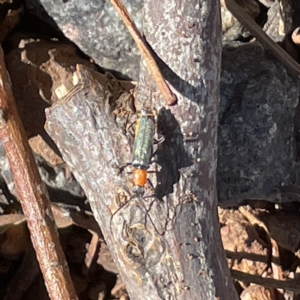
[(32, 195), (288, 285), (262, 37), (163, 87)]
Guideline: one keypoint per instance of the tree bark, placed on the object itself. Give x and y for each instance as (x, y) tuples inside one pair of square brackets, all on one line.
[(167, 244)]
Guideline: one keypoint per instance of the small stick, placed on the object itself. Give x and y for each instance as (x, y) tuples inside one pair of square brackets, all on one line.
[(288, 285), (163, 87), (262, 37), (33, 195)]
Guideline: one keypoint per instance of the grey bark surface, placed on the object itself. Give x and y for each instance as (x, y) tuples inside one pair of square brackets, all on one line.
[(167, 244)]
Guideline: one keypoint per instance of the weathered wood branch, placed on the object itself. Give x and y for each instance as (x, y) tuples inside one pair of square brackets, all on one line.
[(186, 36), (166, 244), (33, 195)]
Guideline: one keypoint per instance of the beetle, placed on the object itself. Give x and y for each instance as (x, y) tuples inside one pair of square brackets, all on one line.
[(142, 151)]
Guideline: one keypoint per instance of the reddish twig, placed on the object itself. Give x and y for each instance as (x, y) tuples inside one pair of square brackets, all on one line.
[(33, 195), (163, 87)]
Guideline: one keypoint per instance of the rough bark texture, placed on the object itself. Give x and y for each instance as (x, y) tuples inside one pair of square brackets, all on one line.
[(186, 36), (166, 245)]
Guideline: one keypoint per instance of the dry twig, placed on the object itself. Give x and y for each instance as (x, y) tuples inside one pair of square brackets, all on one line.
[(289, 285), (32, 195), (163, 87)]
